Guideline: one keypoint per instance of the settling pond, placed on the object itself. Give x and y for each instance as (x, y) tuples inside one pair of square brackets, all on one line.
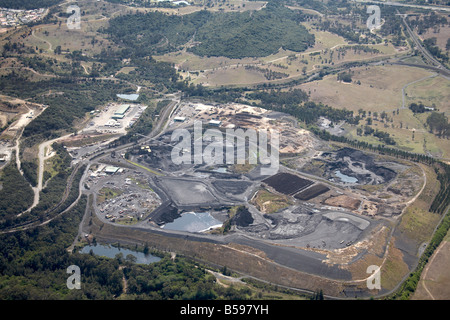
[(110, 252), (345, 178), (193, 222), (132, 97)]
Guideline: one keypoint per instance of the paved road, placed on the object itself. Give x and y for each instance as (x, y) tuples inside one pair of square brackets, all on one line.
[(401, 4)]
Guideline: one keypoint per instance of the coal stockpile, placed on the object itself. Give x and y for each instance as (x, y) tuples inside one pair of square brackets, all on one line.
[(287, 183), (242, 218), (166, 213), (369, 163), (312, 192), (231, 186)]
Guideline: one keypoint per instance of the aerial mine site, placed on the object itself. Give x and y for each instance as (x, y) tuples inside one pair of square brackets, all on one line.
[(224, 150), (322, 211)]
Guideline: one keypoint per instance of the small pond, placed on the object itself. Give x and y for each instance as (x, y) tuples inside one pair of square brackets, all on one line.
[(132, 97), (345, 178), (110, 252)]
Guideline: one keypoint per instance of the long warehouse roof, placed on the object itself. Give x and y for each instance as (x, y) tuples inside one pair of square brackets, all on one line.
[(122, 109)]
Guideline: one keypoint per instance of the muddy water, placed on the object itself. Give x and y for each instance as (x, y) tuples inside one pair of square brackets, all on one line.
[(111, 252), (345, 178)]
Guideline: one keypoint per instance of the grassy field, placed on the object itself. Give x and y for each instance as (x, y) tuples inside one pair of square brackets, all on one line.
[(432, 92), (46, 38), (218, 71), (107, 194), (418, 224), (380, 89), (294, 65)]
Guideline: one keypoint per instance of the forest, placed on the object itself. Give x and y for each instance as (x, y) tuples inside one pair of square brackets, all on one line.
[(430, 45), (231, 34), (419, 107), (16, 194), (28, 4)]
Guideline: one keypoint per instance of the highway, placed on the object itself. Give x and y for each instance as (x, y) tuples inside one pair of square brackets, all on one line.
[(400, 4), (419, 46)]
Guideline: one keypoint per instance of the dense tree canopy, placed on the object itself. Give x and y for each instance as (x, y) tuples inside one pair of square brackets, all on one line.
[(27, 4), (231, 34)]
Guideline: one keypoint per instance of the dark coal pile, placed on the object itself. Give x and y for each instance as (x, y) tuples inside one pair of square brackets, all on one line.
[(242, 218), (287, 183), (159, 157), (166, 213), (359, 159), (312, 192)]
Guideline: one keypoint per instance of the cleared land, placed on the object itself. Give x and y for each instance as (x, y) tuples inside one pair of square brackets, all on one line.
[(380, 88), (434, 283)]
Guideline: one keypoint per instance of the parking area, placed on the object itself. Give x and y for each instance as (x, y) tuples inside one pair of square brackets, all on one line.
[(114, 118)]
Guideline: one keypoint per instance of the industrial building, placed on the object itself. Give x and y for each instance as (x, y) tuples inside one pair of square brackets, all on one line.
[(215, 123), (120, 112), (111, 169), (179, 119)]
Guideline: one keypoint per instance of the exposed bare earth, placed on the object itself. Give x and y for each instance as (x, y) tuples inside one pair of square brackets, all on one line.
[(434, 283)]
